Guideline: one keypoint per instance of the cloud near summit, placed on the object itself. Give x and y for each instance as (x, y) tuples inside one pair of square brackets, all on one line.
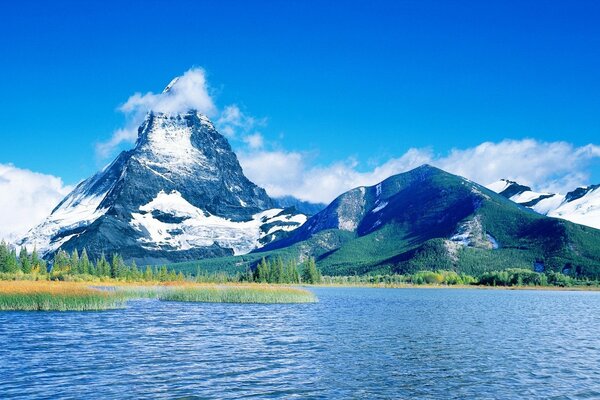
[(189, 91)]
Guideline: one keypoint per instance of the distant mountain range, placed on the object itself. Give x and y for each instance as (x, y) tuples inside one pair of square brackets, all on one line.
[(180, 195), (581, 205)]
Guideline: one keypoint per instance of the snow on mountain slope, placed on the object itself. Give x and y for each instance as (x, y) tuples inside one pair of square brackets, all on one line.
[(581, 206), (172, 223), (584, 210)]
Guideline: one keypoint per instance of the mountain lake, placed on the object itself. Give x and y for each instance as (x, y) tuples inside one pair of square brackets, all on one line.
[(361, 343)]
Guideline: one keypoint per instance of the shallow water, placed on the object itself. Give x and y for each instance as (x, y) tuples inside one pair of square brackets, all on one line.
[(354, 343)]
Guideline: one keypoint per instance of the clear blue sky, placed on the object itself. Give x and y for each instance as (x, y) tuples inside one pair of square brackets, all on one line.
[(362, 79)]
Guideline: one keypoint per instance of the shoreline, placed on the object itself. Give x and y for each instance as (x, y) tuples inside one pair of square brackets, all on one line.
[(473, 287)]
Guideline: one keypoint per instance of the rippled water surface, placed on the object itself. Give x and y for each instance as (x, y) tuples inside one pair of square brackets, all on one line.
[(354, 343)]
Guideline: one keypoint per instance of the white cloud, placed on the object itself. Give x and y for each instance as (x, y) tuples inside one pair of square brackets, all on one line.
[(548, 166), (254, 141), (232, 122), (189, 91), (552, 166), (27, 198)]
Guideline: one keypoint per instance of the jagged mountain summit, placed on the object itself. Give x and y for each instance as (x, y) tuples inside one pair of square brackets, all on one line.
[(179, 194), (581, 205), (430, 219)]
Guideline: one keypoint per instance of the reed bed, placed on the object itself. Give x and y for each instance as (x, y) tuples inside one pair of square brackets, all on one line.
[(56, 296), (243, 294), (78, 296)]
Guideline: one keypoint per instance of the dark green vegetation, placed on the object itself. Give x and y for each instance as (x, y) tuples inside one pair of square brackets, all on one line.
[(516, 277)]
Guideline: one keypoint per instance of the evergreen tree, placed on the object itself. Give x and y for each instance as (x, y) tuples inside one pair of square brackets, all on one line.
[(134, 272), (25, 261), (61, 262), (4, 254), (102, 266), (13, 262), (277, 271), (84, 263), (310, 273), (74, 262), (291, 272), (37, 264), (163, 274), (148, 275), (117, 267), (261, 273)]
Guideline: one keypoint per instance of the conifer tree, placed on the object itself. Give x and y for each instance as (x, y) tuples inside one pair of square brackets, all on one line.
[(148, 275), (37, 263), (117, 267), (74, 262), (310, 273), (61, 262), (261, 273), (84, 263), (102, 266), (163, 275), (4, 254), (13, 262), (134, 271), (277, 271), (25, 261)]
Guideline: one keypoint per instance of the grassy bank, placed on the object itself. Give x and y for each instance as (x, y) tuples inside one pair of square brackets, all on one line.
[(56, 296)]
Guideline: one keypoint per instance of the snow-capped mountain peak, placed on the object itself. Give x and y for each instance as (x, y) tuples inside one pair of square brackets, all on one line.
[(179, 194), (581, 205)]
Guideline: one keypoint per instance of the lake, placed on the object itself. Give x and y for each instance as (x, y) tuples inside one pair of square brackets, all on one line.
[(354, 343)]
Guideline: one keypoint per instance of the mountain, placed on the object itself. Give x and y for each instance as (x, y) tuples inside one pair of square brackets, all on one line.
[(180, 194), (304, 207), (429, 219), (581, 205)]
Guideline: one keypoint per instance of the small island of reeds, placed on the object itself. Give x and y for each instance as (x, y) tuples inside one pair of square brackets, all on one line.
[(82, 296), (250, 293)]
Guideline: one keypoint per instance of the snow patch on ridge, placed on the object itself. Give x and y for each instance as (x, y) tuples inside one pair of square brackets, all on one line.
[(499, 186), (201, 229), (380, 207)]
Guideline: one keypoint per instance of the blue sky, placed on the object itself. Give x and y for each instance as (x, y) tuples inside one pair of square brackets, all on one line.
[(353, 84)]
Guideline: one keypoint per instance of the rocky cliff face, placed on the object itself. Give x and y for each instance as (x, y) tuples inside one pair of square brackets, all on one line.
[(180, 194)]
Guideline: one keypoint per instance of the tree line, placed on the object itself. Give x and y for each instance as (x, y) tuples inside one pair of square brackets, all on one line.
[(507, 277), (66, 265), (278, 271)]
